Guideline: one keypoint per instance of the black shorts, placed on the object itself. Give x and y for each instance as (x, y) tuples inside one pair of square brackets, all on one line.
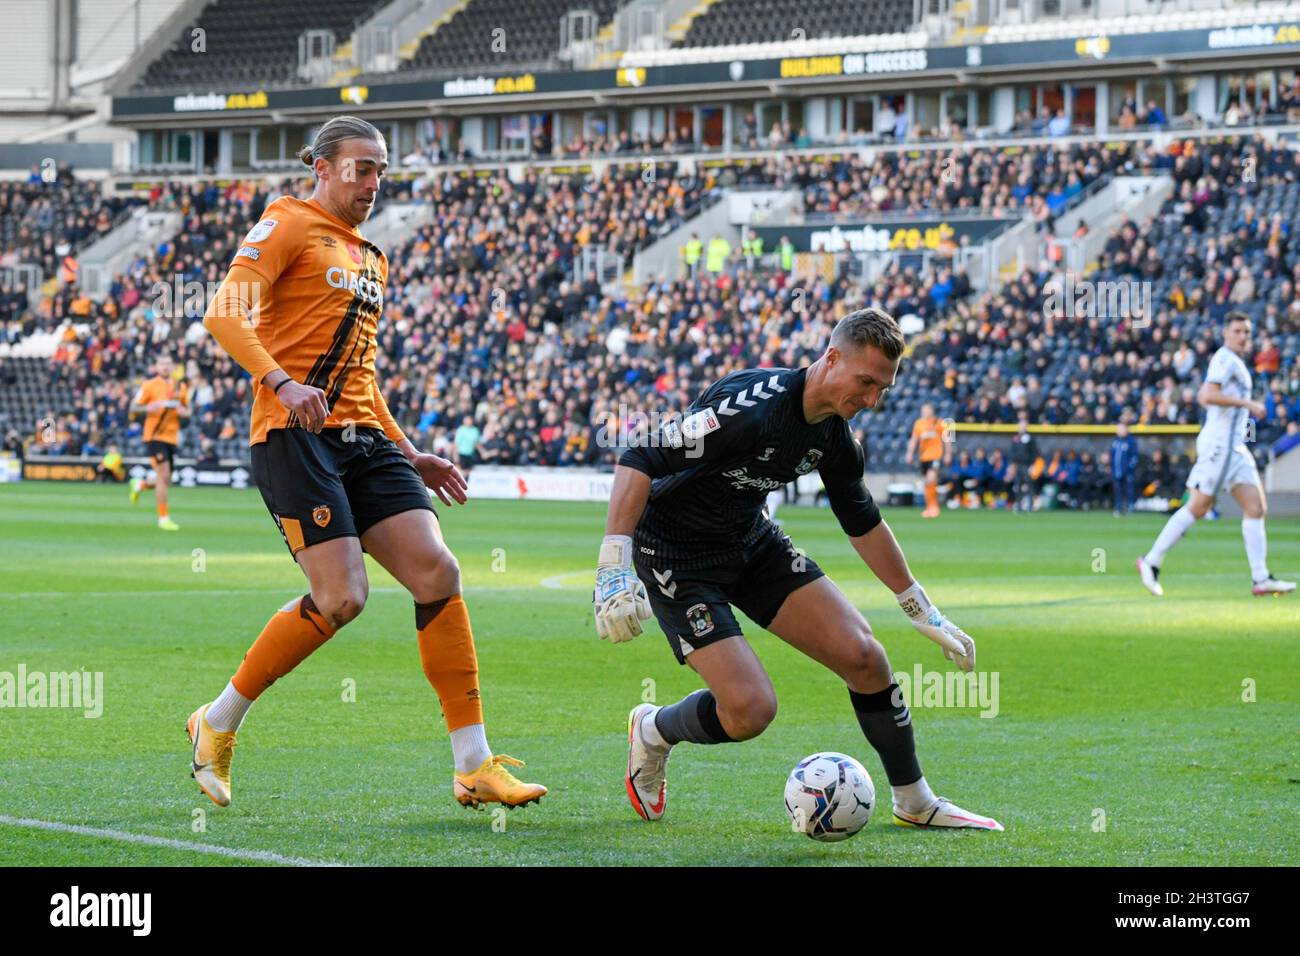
[(923, 467), (694, 607), (160, 451), (319, 487)]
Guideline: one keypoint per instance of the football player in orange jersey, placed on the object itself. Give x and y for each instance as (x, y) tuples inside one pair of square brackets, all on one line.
[(929, 449), (299, 310), (163, 402)]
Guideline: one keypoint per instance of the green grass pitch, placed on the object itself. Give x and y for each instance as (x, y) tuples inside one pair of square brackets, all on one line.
[(1122, 735)]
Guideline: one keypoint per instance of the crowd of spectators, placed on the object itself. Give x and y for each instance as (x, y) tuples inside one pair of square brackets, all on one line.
[(45, 220), (1064, 478), (890, 125), (489, 352)]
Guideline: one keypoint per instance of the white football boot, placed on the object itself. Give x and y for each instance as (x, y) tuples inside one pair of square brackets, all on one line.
[(647, 768), (1271, 585), (1150, 575), (946, 815)]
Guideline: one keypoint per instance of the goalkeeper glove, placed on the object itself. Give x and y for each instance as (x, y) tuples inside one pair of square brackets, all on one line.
[(956, 643), (620, 602)]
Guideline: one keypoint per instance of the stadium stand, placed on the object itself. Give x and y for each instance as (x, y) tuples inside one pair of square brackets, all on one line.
[(234, 54), (43, 223), (492, 34), (541, 376), (729, 22)]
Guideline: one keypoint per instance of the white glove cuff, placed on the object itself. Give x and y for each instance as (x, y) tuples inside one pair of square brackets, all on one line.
[(914, 602), (616, 551)]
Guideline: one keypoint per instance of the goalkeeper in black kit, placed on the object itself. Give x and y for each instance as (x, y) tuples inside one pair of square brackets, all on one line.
[(687, 538)]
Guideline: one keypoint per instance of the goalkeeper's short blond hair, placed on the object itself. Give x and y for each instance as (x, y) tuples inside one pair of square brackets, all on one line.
[(869, 327)]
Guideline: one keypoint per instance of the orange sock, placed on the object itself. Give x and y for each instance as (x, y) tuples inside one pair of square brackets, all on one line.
[(289, 637), (162, 509), (932, 495), (450, 663)]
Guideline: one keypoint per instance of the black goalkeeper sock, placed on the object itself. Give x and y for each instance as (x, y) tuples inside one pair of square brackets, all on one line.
[(888, 726), (694, 719)]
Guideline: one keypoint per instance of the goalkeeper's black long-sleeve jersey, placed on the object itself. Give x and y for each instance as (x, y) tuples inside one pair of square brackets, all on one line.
[(712, 470)]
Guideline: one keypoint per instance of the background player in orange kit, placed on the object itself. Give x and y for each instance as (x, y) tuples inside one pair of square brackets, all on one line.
[(164, 402), (926, 447), (299, 310)]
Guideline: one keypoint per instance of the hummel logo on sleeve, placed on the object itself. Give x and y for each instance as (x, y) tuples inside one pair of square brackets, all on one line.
[(756, 390)]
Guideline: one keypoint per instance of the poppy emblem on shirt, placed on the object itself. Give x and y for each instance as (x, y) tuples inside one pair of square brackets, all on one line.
[(355, 253)]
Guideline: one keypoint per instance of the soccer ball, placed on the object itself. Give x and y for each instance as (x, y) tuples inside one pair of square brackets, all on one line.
[(829, 797)]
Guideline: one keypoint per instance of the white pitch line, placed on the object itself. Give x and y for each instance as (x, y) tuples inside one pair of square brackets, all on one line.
[(179, 592), (228, 592), (259, 856), (554, 580)]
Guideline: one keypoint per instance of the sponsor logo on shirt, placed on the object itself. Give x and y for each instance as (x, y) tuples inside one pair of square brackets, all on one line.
[(369, 290), (742, 479)]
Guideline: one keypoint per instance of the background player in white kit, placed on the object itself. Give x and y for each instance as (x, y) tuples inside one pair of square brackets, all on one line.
[(1223, 461)]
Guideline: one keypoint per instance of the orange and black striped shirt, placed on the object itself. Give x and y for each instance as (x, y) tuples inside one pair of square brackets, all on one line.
[(164, 425), (320, 317)]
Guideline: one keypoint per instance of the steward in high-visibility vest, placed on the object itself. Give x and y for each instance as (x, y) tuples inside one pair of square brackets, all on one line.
[(719, 249), (692, 251), (786, 249)]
